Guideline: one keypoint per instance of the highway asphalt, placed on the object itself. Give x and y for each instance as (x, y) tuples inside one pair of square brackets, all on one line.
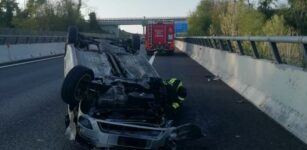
[(32, 112)]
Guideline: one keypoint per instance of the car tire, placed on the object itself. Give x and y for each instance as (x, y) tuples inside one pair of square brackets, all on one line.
[(72, 36), (74, 84)]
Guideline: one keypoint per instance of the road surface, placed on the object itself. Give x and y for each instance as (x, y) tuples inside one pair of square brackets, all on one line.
[(32, 112)]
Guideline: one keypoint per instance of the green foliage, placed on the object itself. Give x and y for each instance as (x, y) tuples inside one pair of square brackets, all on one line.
[(276, 26), (266, 7), (7, 10), (290, 53), (297, 15), (239, 17), (201, 19), (54, 15), (250, 21)]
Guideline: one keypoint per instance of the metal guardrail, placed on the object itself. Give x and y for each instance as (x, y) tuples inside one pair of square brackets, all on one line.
[(29, 39), (14, 31), (226, 43)]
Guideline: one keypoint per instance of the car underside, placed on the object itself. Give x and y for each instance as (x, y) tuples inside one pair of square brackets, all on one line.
[(116, 99)]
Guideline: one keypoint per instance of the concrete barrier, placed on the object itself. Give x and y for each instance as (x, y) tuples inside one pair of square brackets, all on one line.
[(20, 52), (276, 89)]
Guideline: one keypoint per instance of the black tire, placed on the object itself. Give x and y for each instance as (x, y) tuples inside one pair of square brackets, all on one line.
[(136, 42), (75, 84), (72, 36)]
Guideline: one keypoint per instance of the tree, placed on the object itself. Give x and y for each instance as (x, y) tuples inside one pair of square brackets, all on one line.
[(50, 15), (266, 7), (79, 5), (298, 15), (201, 19), (33, 5), (8, 8), (93, 23)]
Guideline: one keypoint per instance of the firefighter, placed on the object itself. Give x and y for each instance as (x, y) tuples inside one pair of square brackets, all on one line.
[(177, 93)]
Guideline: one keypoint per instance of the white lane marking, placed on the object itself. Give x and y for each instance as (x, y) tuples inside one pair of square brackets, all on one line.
[(152, 58), (28, 62)]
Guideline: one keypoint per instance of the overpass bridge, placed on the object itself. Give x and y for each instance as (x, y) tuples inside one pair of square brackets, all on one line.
[(112, 24), (136, 21), (239, 99)]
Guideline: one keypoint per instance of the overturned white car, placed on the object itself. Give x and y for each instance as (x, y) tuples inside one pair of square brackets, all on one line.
[(116, 99)]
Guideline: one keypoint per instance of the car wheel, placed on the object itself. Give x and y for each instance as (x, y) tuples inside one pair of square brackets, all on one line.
[(72, 36), (74, 85)]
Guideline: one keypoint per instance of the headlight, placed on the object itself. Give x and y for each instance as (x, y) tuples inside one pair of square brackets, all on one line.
[(85, 122)]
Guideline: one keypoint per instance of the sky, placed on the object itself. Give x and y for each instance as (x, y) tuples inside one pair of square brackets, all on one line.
[(138, 8)]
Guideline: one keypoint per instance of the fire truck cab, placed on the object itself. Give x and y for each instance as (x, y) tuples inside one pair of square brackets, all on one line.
[(160, 37)]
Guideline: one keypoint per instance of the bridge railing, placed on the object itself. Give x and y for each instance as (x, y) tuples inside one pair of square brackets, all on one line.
[(29, 39), (243, 44)]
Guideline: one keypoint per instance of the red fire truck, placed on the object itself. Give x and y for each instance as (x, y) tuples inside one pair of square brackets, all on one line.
[(160, 37)]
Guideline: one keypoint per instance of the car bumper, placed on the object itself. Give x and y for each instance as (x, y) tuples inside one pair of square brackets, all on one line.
[(161, 48), (101, 138)]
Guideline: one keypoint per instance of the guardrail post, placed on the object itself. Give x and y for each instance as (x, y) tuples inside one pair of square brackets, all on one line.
[(199, 42), (32, 40), (206, 43), (304, 47), (240, 47), (188, 40), (27, 40), (215, 44), (254, 48), (229, 46), (191, 40), (16, 40), (203, 42), (275, 52), (210, 43), (2, 41), (222, 45)]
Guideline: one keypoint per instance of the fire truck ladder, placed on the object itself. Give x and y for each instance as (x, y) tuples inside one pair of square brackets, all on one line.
[(150, 35)]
